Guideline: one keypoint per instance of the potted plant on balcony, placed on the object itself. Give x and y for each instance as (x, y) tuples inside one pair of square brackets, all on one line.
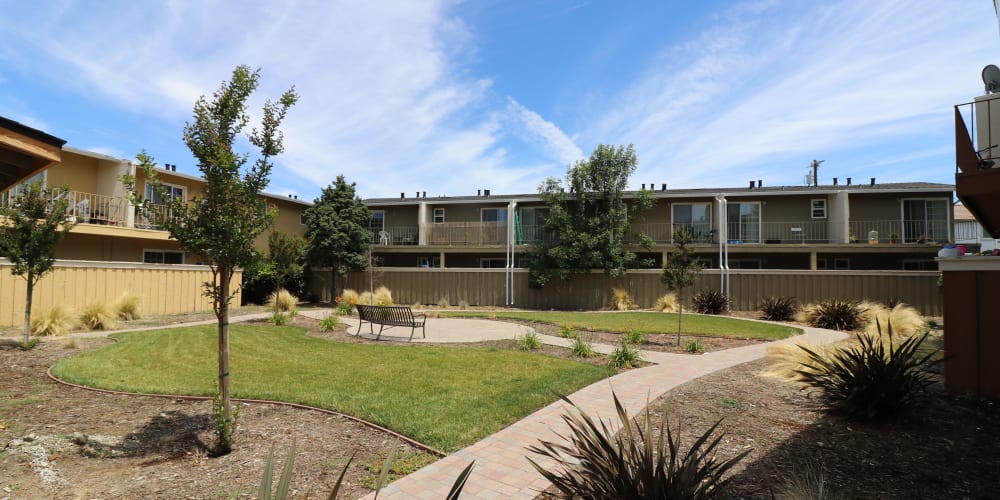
[(893, 238)]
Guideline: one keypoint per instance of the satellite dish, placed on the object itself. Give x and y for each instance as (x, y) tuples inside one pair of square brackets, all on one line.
[(991, 78)]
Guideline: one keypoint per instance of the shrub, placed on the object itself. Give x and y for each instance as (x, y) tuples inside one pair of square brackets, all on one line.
[(582, 348), (344, 308), (57, 320), (329, 323), (786, 360), (98, 316), (834, 315), (282, 301), (367, 298), (906, 321), (624, 356), (711, 302), (633, 336), (27, 345), (630, 461), (279, 319), (348, 296), (529, 341), (567, 332), (463, 304), (383, 296), (694, 347), (666, 303), (807, 480), (127, 306), (778, 308), (621, 300), (443, 303), (873, 378)]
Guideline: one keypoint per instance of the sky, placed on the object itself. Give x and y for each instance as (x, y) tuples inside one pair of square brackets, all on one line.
[(449, 97)]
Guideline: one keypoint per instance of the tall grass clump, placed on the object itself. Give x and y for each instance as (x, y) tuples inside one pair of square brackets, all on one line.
[(349, 296), (567, 332), (711, 302), (621, 300), (844, 315), (56, 320), (873, 378), (582, 348), (98, 316), (624, 356), (787, 360), (906, 321), (530, 341), (127, 306), (383, 297), (367, 298), (666, 303), (633, 460), (633, 336), (778, 308), (282, 301), (329, 323)]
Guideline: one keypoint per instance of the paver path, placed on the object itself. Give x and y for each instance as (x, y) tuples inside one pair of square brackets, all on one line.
[(502, 471)]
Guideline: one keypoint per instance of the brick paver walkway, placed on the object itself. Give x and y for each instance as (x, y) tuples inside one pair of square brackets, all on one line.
[(502, 471)]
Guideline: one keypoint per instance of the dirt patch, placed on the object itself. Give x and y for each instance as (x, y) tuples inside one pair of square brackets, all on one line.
[(947, 448)]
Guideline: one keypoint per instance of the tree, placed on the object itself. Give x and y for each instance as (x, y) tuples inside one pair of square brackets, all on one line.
[(588, 226), (337, 231), (222, 223), (31, 226), (286, 254), (680, 271)]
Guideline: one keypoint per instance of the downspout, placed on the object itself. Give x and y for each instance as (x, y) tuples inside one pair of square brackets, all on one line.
[(722, 229), (509, 272)]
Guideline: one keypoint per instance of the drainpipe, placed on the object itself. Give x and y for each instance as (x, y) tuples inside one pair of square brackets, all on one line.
[(722, 230), (509, 271)]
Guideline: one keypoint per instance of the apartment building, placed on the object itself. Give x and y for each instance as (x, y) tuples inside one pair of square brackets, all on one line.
[(841, 225), (109, 228)]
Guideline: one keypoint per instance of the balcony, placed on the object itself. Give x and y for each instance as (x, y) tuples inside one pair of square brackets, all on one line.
[(395, 235), (466, 233), (899, 231)]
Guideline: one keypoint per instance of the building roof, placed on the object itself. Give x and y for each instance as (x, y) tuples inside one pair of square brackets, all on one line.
[(33, 133), (901, 187)]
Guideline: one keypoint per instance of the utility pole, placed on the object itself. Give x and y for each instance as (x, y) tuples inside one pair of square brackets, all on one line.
[(815, 166)]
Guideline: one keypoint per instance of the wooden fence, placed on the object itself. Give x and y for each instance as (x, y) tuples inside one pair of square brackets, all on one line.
[(485, 287), (164, 289)]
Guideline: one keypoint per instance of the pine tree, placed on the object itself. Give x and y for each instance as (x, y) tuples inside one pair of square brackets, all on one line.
[(337, 231)]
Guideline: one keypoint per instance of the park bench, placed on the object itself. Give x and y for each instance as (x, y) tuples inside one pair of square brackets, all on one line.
[(390, 316)]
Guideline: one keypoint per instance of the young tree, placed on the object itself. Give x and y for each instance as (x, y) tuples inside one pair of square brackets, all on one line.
[(286, 254), (337, 231), (31, 226), (590, 223), (680, 271), (222, 223)]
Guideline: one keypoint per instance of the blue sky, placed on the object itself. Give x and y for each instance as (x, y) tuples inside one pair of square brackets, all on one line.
[(450, 97)]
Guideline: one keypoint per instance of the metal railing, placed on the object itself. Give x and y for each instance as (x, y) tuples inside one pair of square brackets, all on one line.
[(466, 233), (88, 208), (532, 234), (899, 231), (795, 232), (968, 231), (396, 235)]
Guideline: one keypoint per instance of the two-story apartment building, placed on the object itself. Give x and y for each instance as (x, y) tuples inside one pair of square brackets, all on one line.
[(870, 226), (109, 228)]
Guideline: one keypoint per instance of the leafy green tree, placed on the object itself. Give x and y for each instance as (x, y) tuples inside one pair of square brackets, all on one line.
[(31, 225), (680, 270), (286, 255), (337, 231), (222, 223), (589, 224)]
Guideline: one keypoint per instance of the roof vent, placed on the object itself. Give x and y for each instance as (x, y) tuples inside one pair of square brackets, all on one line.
[(486, 192), (834, 181), (760, 183), (402, 196), (425, 194), (872, 182), (848, 181), (751, 184), (643, 187), (663, 187)]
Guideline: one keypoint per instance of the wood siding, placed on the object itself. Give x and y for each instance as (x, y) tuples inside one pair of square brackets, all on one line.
[(485, 287), (164, 289)]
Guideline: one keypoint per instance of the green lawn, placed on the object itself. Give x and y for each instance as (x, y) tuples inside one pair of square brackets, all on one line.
[(647, 322), (445, 397)]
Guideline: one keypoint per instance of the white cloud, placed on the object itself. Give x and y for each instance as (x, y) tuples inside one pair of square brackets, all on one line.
[(554, 141)]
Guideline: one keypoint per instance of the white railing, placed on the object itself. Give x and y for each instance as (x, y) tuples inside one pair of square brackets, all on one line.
[(465, 233), (899, 231), (968, 232), (795, 232), (396, 235)]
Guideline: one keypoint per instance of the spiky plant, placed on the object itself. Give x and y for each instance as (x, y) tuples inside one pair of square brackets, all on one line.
[(632, 461), (567, 332), (634, 336), (906, 321), (873, 378), (56, 320), (582, 348), (666, 303), (383, 296), (842, 315), (530, 341), (711, 302), (127, 306), (282, 301), (778, 308), (621, 300), (98, 316), (329, 323), (349, 296), (624, 356), (694, 347)]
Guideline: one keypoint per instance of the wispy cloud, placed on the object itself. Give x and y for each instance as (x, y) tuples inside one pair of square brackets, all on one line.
[(535, 128)]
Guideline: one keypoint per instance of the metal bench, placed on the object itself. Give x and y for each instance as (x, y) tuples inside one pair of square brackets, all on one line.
[(390, 316)]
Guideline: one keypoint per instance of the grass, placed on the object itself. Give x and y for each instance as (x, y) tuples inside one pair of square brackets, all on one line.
[(647, 322), (440, 396)]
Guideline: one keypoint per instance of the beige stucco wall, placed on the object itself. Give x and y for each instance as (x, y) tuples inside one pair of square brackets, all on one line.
[(77, 172), (875, 206)]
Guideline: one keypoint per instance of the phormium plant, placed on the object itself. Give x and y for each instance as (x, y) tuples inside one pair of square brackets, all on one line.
[(778, 308), (711, 302)]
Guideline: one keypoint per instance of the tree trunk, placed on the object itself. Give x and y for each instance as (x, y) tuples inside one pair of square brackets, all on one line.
[(680, 316), (27, 306), (333, 285), (223, 316)]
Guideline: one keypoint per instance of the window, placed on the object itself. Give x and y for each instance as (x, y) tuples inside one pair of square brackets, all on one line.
[(818, 208), (919, 265), (493, 215), (377, 227), (925, 221), (745, 264), (171, 192), (439, 216), (302, 217), (531, 227), (743, 222), (492, 263), (428, 262), (821, 264), (162, 257), (41, 177), (842, 264), (696, 217)]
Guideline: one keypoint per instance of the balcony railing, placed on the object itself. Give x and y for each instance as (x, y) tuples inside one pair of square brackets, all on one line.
[(968, 231), (396, 235), (466, 233), (899, 231), (795, 232)]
